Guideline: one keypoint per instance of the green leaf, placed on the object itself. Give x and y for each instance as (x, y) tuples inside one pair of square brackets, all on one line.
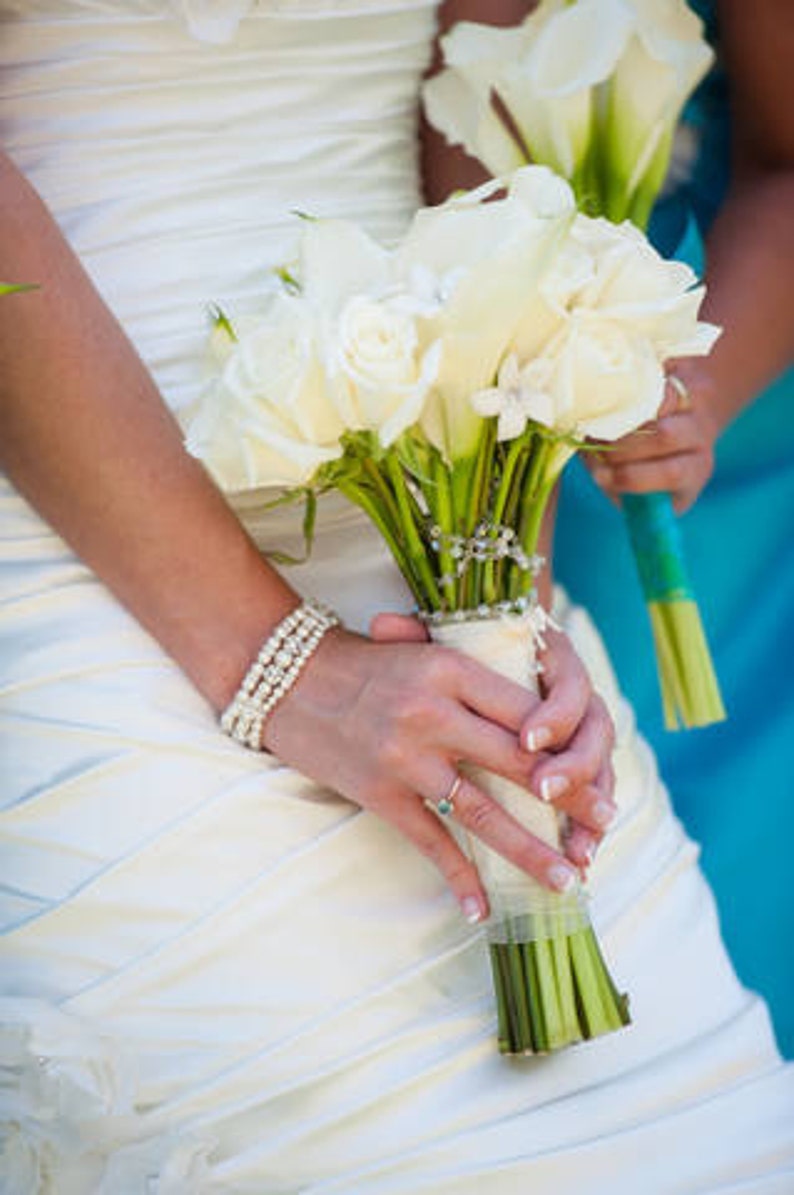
[(221, 320), (309, 521), (10, 288), (288, 279)]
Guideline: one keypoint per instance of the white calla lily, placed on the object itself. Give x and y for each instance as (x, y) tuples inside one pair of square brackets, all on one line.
[(339, 260), (664, 60), (549, 92), (491, 255), (458, 100)]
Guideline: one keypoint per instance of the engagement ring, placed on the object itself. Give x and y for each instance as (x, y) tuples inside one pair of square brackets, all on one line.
[(446, 806)]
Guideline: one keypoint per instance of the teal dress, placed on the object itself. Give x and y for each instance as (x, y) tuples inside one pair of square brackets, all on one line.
[(732, 784)]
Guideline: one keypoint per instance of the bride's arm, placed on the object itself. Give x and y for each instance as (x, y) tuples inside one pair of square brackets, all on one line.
[(85, 437)]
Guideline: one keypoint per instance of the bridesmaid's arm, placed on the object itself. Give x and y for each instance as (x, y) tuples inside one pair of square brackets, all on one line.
[(750, 268)]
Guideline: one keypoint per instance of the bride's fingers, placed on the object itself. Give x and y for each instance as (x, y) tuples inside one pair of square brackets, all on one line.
[(480, 689), (430, 836), (566, 693), (397, 628), (567, 777), (462, 735), (488, 821), (581, 845), (580, 841)]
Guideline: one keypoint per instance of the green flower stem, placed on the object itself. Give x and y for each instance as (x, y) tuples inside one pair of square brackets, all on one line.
[(565, 987), (465, 477), (483, 472), (553, 989), (444, 513), (521, 992), (549, 994), (508, 486), (415, 547), (381, 487), (362, 496)]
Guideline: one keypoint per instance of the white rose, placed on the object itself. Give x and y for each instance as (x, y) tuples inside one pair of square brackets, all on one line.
[(269, 419), (381, 375), (631, 283), (596, 378)]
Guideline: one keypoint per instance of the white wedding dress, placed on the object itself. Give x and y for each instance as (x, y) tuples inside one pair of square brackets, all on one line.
[(215, 976)]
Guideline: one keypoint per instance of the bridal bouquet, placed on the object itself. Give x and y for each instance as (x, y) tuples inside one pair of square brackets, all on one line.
[(442, 384), (593, 89)]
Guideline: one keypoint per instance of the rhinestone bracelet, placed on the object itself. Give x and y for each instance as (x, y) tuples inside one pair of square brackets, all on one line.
[(275, 670)]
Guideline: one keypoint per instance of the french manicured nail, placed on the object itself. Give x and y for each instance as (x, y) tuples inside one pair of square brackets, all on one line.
[(561, 877), (538, 738), (603, 814), (552, 787), (472, 909)]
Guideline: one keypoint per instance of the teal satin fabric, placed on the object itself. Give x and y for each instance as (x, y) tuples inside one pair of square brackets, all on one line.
[(732, 784)]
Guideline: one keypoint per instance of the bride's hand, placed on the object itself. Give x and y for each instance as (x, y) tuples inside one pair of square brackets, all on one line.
[(387, 723)]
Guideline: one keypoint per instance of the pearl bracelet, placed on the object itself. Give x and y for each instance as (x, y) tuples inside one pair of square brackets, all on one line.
[(275, 670)]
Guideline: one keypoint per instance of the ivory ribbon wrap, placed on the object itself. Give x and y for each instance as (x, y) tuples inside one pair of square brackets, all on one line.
[(508, 645)]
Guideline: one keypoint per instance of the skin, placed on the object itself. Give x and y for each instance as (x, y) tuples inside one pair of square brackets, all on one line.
[(750, 265), (386, 720)]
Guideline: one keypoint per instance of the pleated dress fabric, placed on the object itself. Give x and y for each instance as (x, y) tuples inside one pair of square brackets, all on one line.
[(216, 976)]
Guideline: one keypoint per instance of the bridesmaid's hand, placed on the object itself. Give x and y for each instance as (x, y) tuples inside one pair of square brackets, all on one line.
[(387, 721), (675, 452)]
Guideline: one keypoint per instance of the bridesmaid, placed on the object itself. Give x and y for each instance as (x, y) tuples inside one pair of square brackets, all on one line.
[(739, 193)]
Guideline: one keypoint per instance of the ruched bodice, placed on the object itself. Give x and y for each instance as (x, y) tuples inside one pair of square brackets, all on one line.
[(114, 110)]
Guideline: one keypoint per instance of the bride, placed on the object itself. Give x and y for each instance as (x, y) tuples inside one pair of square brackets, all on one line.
[(227, 970)]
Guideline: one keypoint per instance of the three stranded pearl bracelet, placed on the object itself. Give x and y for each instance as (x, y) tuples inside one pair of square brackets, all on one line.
[(281, 659)]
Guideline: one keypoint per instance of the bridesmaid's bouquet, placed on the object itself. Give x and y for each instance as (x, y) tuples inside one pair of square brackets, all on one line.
[(593, 89), (441, 385)]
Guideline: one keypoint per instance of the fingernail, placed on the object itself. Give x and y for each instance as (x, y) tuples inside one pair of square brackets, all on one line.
[(472, 909), (589, 853), (602, 475), (552, 787), (603, 814), (561, 877), (538, 738)]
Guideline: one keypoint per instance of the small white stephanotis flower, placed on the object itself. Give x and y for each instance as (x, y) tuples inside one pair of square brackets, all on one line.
[(513, 399)]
